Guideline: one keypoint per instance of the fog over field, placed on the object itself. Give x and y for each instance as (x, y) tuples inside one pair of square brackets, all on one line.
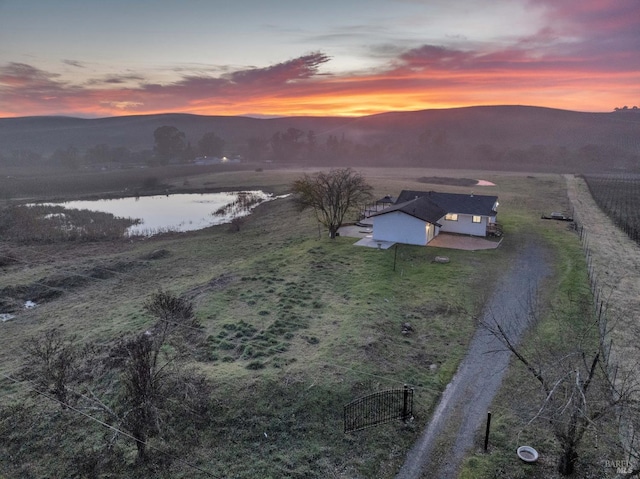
[(509, 138)]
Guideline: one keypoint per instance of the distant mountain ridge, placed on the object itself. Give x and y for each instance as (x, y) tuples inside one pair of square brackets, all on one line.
[(517, 138)]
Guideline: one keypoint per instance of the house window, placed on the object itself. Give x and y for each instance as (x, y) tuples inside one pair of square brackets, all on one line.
[(477, 219), (451, 217)]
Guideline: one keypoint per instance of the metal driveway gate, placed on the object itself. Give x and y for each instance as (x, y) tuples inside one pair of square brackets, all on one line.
[(378, 408)]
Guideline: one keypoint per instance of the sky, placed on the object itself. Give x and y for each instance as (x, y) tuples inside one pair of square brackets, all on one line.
[(265, 58)]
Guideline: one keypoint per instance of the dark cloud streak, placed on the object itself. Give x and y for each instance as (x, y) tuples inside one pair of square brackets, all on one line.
[(74, 63), (116, 79), (581, 43), (297, 69)]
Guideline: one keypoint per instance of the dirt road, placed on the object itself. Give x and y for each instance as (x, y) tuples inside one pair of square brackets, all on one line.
[(465, 401), (615, 261)]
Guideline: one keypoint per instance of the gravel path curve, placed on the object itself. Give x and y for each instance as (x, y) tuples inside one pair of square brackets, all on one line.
[(465, 401)]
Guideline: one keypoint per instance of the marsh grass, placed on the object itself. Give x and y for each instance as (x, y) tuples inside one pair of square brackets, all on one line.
[(301, 327), (55, 224)]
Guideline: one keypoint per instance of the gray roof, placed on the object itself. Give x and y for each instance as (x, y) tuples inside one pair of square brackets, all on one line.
[(386, 200), (422, 208), (481, 205)]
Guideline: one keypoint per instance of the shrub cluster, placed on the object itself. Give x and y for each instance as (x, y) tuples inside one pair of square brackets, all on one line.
[(53, 224)]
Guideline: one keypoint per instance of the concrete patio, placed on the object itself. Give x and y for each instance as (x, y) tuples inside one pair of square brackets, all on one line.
[(443, 240)]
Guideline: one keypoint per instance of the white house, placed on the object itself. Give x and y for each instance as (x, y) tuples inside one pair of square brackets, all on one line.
[(214, 160), (419, 216)]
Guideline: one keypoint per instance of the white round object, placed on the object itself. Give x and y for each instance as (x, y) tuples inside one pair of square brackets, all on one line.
[(527, 454)]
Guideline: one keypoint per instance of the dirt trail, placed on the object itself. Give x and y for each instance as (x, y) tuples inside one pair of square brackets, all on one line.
[(465, 401), (615, 260)]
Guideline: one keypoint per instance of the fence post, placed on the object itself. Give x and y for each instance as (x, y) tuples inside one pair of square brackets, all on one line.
[(405, 406), (486, 434)]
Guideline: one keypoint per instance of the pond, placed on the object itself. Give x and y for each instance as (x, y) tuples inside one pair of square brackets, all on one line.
[(178, 212)]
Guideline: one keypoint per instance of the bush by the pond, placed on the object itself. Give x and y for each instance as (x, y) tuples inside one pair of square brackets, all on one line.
[(52, 224), (246, 200)]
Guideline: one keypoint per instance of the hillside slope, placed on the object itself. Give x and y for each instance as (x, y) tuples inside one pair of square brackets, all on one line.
[(499, 137)]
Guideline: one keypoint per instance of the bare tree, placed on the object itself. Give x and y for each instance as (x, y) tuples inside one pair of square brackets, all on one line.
[(154, 395), (146, 374), (172, 314), (52, 361), (576, 390), (143, 381), (332, 195)]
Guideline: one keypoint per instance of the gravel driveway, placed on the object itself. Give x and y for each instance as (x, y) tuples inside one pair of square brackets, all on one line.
[(464, 404)]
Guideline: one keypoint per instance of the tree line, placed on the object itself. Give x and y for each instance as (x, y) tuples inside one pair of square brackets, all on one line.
[(431, 147), (169, 145), (172, 146)]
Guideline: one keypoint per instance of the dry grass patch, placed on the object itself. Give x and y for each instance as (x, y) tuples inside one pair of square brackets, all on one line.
[(295, 326)]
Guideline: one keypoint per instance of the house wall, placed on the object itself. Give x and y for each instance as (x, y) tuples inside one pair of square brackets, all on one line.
[(464, 225), (431, 231), (400, 228)]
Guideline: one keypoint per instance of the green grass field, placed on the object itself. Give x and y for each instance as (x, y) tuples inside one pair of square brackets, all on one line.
[(293, 328)]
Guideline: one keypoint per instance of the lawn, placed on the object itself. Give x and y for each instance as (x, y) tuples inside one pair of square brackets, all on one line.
[(294, 326)]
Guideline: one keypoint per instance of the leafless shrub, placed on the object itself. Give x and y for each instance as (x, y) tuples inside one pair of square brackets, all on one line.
[(52, 363), (142, 380), (175, 318), (150, 378), (576, 391), (245, 201), (150, 397)]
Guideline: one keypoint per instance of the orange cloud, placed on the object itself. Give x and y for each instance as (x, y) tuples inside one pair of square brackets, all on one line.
[(585, 58)]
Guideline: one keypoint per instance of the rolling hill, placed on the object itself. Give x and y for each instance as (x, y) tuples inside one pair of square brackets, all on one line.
[(516, 138)]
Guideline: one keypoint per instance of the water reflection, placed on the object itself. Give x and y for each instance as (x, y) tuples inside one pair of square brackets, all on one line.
[(179, 212)]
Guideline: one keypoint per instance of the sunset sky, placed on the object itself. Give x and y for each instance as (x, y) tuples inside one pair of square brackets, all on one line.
[(93, 58)]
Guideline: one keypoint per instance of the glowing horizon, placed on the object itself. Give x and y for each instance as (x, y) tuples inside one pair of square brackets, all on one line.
[(300, 60)]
